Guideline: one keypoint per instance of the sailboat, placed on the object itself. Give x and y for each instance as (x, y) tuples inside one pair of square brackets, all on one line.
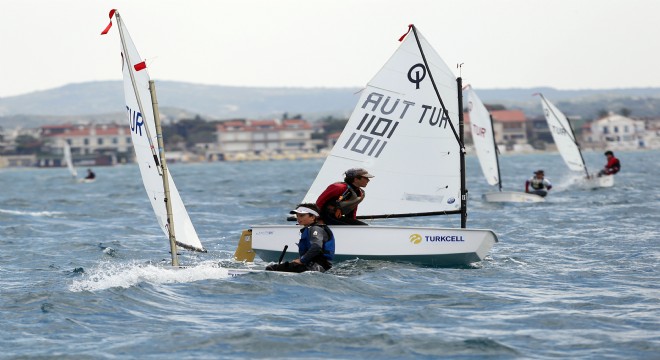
[(564, 137), (483, 137), (68, 160), (407, 130), (146, 135)]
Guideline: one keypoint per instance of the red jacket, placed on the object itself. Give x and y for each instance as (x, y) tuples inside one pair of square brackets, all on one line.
[(332, 194), (613, 166)]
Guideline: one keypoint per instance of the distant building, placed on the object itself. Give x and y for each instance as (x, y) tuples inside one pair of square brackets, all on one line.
[(248, 138), (538, 133), (514, 127), (91, 144), (614, 132)]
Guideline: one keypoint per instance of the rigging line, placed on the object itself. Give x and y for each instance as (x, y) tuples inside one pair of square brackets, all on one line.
[(127, 58), (435, 87)]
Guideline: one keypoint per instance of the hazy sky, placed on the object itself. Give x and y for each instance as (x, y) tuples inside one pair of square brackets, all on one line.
[(566, 44)]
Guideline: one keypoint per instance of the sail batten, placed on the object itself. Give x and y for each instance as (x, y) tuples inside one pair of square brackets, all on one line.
[(141, 121), (403, 134)]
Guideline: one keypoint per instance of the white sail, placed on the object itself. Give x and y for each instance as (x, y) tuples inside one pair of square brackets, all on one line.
[(563, 136), (68, 160), (140, 117), (398, 132), (482, 136)]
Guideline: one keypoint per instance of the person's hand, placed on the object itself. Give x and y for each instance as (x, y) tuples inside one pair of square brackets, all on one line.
[(297, 261)]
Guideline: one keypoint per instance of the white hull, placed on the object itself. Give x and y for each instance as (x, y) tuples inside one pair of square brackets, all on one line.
[(438, 247), (596, 182), (512, 196)]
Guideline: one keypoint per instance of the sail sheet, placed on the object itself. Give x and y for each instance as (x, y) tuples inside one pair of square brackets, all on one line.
[(400, 133), (140, 117), (563, 136), (482, 137), (68, 160)]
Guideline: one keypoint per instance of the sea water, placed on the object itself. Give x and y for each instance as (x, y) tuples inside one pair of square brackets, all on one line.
[(84, 271)]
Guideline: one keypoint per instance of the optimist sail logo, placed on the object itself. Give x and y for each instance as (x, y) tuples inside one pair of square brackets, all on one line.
[(415, 238)]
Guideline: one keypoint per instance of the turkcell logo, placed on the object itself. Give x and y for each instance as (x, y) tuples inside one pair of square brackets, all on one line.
[(415, 238), (418, 238)]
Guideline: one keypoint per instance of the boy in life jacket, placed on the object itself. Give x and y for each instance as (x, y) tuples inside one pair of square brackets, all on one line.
[(613, 164), (339, 201), (317, 243), (540, 185)]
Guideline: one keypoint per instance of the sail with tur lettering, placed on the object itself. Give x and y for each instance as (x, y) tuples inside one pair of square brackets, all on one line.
[(140, 115), (402, 131), (562, 134), (481, 127)]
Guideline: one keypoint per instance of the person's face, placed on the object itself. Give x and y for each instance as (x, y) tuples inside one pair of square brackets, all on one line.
[(609, 156), (305, 219), (539, 176), (361, 181)]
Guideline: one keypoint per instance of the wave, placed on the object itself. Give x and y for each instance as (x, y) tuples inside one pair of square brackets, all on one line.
[(31, 213), (113, 275)]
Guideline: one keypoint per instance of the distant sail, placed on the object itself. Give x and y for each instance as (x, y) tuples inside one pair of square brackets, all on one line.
[(563, 136), (482, 136), (68, 160), (399, 132), (140, 116)]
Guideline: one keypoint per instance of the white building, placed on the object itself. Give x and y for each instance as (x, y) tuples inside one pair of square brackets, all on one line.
[(246, 138), (91, 144), (614, 132)]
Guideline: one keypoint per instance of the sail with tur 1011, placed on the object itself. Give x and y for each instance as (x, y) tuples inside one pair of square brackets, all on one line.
[(407, 131), (143, 118)]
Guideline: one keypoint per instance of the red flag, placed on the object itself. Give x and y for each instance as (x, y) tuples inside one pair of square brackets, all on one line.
[(140, 66), (107, 28), (404, 35)]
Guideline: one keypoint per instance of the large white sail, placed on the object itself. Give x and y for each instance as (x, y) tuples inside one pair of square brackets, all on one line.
[(140, 116), (68, 160), (563, 136), (482, 136), (399, 132)]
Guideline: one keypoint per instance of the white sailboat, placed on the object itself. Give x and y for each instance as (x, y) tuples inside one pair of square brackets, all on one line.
[(406, 130), (68, 160), (564, 137), (483, 136), (144, 121)]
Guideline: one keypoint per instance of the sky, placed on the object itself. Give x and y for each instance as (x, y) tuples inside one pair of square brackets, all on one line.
[(564, 44)]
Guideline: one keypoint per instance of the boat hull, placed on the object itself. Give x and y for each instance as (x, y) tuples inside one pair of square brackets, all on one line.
[(512, 196), (436, 247)]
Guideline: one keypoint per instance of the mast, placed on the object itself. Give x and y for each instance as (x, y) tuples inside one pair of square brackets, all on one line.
[(578, 147), (163, 166), (459, 82), (497, 151)]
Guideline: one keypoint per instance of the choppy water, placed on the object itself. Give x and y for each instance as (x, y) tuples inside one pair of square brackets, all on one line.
[(82, 277)]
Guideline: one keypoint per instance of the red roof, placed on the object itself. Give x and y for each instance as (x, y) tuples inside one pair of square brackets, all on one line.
[(508, 116)]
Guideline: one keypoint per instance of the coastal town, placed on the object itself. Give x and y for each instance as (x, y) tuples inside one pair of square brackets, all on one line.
[(94, 144)]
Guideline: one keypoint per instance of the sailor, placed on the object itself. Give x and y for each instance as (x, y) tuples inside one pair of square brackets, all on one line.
[(613, 164), (90, 174), (339, 201), (317, 243), (540, 185)]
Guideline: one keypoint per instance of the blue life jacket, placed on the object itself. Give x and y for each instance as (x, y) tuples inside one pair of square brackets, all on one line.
[(328, 246)]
